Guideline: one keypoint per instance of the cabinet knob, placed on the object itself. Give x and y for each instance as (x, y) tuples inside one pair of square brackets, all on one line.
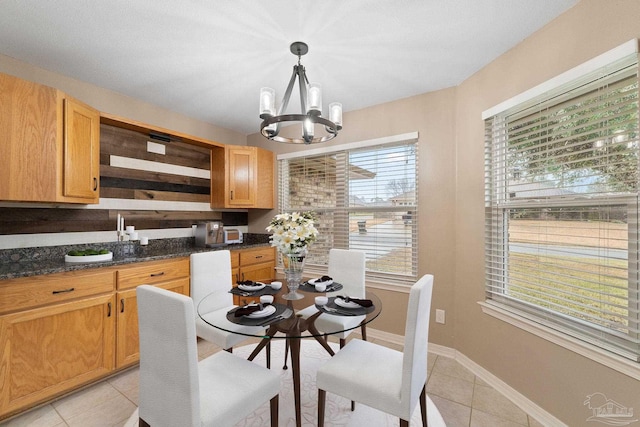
[(63, 291), (95, 183), (157, 274)]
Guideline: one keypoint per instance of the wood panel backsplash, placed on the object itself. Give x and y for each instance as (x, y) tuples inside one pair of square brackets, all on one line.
[(145, 176), (130, 183)]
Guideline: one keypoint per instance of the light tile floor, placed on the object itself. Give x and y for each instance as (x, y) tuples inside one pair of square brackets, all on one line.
[(462, 398)]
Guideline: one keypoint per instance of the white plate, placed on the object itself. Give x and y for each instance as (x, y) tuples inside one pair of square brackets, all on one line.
[(312, 282), (255, 287), (344, 304), (267, 311)]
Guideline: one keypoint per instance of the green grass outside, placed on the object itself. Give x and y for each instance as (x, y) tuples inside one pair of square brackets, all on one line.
[(572, 286)]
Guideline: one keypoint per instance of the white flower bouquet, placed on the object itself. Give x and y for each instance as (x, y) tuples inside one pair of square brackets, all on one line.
[(293, 232)]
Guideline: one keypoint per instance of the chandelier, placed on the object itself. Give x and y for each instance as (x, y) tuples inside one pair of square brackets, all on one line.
[(311, 106)]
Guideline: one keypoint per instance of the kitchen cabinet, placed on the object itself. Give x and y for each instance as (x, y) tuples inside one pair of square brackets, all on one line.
[(50, 145), (168, 274), (64, 330), (256, 264), (242, 177), (51, 345), (81, 170)]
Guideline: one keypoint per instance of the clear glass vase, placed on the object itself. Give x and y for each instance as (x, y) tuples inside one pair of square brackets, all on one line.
[(293, 268)]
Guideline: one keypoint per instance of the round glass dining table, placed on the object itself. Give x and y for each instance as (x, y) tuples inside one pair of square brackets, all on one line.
[(282, 321)]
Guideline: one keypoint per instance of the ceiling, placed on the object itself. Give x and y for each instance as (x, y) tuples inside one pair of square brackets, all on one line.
[(208, 59)]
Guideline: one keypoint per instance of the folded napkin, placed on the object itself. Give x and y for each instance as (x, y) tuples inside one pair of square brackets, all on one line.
[(248, 309), (246, 282), (361, 302), (323, 279)]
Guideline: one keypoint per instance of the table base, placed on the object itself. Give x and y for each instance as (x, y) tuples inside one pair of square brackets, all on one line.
[(293, 327)]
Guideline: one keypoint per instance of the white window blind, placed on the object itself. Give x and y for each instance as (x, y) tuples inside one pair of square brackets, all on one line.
[(562, 208), (365, 198)]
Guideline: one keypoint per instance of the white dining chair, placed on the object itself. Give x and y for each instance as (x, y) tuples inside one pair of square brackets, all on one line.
[(176, 389), (211, 273), (382, 378), (347, 267)]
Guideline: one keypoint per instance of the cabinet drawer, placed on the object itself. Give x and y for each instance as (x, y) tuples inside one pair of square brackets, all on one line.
[(36, 291), (253, 256), (148, 273)]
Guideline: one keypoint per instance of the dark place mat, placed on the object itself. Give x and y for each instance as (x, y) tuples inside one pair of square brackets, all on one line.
[(306, 287), (281, 309), (344, 311), (267, 290)]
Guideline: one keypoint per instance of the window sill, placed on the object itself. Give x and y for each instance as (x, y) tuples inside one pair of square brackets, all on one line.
[(618, 363)]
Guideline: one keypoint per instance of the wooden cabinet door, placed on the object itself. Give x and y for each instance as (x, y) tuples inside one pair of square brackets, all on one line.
[(29, 133), (81, 151), (265, 170), (127, 351), (50, 350), (128, 337), (262, 272), (242, 177), (242, 165)]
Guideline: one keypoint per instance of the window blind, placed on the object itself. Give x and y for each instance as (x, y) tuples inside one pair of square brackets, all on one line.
[(365, 198), (561, 197)]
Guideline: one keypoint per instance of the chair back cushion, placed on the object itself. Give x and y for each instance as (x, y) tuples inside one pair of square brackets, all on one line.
[(211, 272), (416, 342), (169, 387), (347, 266)]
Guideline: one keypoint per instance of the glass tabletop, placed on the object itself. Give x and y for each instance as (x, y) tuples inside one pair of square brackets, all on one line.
[(299, 318)]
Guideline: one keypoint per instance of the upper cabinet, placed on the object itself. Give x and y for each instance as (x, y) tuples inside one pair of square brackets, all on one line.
[(49, 145), (242, 177), (81, 151)]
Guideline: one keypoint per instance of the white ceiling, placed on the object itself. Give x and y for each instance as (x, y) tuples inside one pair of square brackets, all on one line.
[(208, 59)]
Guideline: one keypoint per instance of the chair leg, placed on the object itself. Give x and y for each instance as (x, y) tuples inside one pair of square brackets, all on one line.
[(363, 329), (274, 410), (286, 354), (404, 423), (229, 350), (322, 394), (342, 342), (268, 355), (423, 405), (353, 406), (143, 423)]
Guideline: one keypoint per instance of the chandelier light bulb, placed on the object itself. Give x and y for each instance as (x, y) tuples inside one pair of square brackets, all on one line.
[(308, 128), (314, 99), (267, 101), (335, 113)]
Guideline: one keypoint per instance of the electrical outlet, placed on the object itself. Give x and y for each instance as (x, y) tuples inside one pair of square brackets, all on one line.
[(440, 316)]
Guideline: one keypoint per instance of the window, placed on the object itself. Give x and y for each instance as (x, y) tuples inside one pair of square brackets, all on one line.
[(365, 198), (562, 207)]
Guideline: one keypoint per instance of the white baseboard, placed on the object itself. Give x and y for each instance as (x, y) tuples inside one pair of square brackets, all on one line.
[(503, 388)]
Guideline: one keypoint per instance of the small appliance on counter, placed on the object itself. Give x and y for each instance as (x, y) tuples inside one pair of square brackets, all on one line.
[(232, 235), (210, 234)]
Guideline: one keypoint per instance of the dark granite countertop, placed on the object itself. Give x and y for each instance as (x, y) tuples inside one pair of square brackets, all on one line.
[(16, 263)]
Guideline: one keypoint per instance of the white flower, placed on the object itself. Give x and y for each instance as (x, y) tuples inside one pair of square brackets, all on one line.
[(292, 233)]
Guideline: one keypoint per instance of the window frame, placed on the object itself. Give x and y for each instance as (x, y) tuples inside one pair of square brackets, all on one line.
[(343, 207), (504, 307)]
